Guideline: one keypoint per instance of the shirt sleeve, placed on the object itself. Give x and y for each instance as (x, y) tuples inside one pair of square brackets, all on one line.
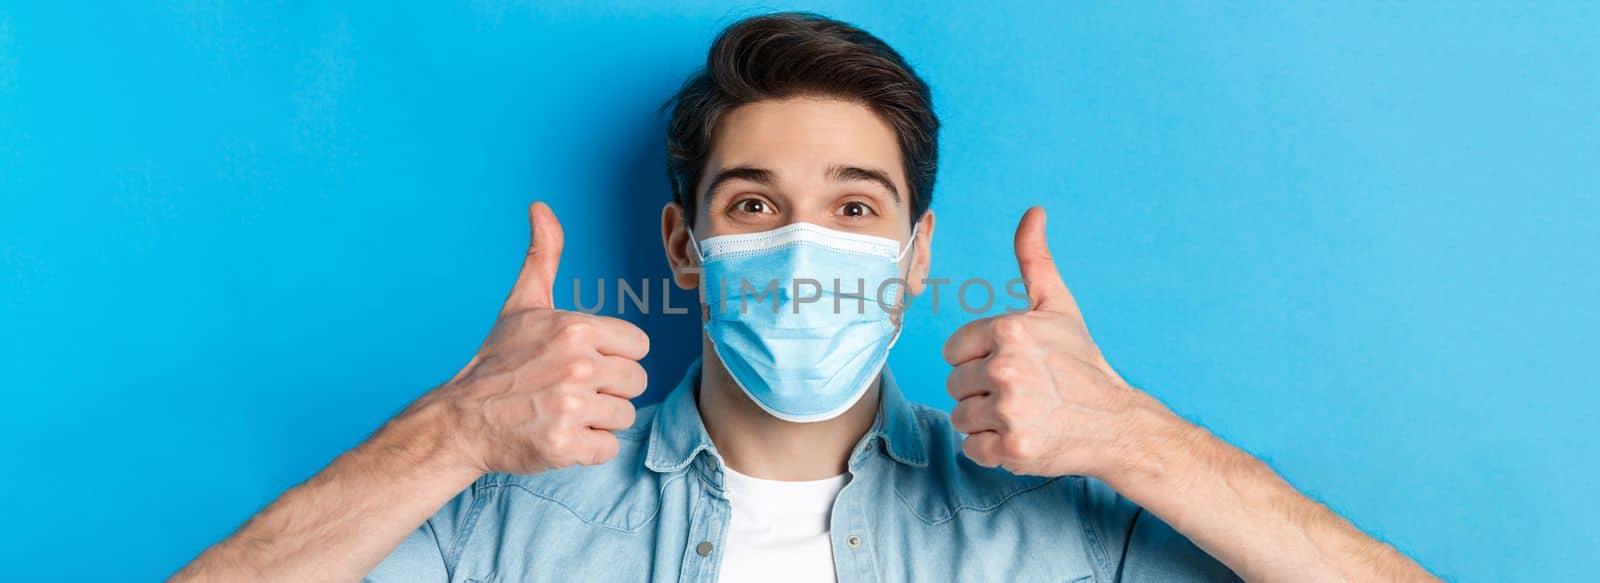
[(1137, 546), (428, 555)]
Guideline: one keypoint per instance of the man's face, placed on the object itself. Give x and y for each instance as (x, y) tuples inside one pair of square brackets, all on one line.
[(829, 162)]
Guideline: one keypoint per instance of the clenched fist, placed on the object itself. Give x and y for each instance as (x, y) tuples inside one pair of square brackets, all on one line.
[(547, 387), (1034, 395)]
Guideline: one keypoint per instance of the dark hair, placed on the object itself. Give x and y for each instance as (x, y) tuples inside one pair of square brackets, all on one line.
[(789, 54)]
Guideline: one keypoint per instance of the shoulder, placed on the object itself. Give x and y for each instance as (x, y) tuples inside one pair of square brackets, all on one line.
[(620, 494)]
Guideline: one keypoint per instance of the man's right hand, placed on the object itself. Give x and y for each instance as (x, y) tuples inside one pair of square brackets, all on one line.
[(548, 386), (544, 391)]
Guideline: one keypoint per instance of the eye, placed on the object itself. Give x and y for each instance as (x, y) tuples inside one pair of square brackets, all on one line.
[(754, 206), (855, 209)]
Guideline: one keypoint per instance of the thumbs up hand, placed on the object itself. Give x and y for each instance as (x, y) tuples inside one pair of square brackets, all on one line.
[(1034, 395), (548, 386)]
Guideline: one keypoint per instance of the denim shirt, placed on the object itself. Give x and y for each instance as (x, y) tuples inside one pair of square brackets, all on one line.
[(914, 509)]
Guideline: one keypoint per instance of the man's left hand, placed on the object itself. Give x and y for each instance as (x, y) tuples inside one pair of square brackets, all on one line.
[(1035, 395)]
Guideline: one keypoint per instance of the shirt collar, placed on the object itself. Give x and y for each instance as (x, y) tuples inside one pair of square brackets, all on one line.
[(678, 435), (897, 424)]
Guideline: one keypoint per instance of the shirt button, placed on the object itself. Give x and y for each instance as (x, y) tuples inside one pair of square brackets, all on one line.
[(854, 541), (704, 548)]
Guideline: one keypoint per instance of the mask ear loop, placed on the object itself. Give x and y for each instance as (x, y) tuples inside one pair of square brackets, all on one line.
[(906, 299), (910, 243), (695, 245)]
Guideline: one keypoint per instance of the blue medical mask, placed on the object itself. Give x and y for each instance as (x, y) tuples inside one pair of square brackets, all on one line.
[(801, 315)]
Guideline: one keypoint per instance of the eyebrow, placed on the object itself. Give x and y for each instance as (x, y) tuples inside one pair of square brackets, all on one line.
[(842, 173), (836, 172), (760, 176)]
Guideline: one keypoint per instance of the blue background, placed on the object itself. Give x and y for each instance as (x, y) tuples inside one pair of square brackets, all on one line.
[(1358, 241)]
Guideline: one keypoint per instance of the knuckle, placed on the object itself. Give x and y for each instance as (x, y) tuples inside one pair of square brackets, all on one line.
[(557, 442), (555, 405), (1019, 445), (1006, 405), (575, 331), (1005, 370), (1010, 328), (578, 370), (569, 404)]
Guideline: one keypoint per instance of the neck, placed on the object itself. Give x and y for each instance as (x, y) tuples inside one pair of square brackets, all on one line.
[(756, 444)]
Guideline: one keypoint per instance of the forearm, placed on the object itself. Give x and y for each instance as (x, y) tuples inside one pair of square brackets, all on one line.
[(342, 522), (1240, 511)]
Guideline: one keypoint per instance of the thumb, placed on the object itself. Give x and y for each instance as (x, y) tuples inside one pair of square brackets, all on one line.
[(533, 287), (1046, 291)]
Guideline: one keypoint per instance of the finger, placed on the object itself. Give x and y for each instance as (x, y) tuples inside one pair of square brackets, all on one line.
[(971, 341), (966, 380), (1046, 290), (617, 337), (611, 413), (620, 377), (976, 415), (533, 287), (596, 446), (983, 448)]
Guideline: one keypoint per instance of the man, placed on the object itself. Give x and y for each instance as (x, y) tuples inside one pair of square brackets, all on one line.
[(804, 153)]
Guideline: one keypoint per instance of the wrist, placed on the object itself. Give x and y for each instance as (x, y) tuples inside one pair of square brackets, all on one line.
[(1157, 449), (425, 436)]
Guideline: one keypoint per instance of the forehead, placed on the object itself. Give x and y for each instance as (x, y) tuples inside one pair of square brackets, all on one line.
[(798, 138)]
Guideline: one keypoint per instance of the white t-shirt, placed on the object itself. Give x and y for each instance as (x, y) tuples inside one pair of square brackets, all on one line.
[(779, 530)]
